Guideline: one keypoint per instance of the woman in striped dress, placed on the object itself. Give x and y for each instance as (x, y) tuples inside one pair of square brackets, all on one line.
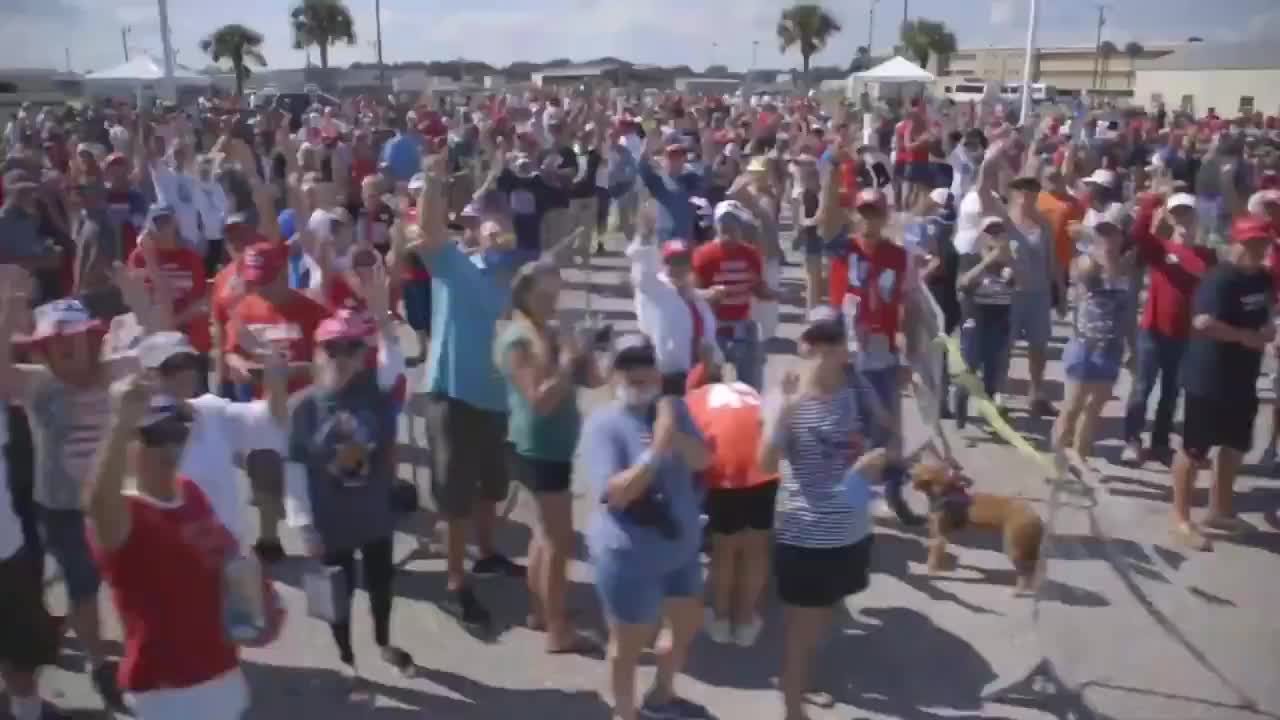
[(822, 525)]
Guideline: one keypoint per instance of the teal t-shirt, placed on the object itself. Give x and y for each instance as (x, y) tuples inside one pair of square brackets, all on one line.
[(465, 307), (553, 436)]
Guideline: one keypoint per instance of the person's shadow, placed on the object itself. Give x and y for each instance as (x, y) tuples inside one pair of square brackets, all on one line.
[(282, 692)]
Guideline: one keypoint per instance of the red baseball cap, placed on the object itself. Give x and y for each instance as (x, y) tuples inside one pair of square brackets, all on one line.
[(675, 249), (345, 324), (114, 158), (1251, 228), (262, 263), (870, 196)]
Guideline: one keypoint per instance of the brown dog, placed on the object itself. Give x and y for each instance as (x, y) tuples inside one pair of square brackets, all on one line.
[(952, 507)]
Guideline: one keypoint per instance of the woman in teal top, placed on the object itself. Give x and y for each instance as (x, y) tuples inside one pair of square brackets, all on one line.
[(542, 368)]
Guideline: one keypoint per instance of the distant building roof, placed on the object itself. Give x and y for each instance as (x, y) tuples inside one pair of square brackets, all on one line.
[(1206, 56), (577, 70)]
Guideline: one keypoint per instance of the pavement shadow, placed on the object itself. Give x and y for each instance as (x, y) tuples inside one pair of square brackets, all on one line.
[(320, 694), (894, 553), (878, 666)]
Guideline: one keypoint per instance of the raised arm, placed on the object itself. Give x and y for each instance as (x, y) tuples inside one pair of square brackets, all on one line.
[(104, 501)]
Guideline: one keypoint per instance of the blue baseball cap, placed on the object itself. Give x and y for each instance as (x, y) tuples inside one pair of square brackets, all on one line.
[(288, 223)]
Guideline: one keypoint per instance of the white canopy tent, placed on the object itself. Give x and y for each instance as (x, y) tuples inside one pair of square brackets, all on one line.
[(898, 73), (143, 75)]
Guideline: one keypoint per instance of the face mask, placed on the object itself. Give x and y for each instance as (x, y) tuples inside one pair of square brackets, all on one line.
[(636, 397)]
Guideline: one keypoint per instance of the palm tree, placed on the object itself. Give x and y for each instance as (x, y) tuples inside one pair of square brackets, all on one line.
[(1133, 49), (807, 25), (322, 23), (861, 60), (1106, 50), (237, 45), (924, 38)]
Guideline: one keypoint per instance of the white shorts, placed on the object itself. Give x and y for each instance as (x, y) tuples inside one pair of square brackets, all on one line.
[(225, 697), (765, 312)]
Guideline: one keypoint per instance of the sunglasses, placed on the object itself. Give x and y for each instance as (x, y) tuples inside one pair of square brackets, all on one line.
[(179, 363), (343, 348)]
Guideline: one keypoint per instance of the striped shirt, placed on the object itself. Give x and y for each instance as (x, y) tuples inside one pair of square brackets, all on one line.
[(813, 509)]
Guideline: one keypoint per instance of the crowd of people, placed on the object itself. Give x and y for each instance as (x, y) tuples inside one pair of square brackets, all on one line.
[(189, 296)]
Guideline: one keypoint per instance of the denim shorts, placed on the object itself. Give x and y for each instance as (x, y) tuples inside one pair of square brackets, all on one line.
[(1029, 318), (1095, 362), (64, 537), (633, 596)]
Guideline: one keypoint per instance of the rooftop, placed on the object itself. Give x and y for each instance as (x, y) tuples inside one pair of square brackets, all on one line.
[(1206, 56)]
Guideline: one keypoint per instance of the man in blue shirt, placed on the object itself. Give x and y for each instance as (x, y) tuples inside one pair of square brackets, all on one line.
[(673, 191), (402, 155), (466, 410)]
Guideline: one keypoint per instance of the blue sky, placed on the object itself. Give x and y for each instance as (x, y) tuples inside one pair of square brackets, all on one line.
[(36, 33)]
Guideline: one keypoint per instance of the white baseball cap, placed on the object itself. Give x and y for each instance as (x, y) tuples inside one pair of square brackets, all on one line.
[(1102, 176), (1185, 200), (1259, 200), (1114, 215), (156, 348)]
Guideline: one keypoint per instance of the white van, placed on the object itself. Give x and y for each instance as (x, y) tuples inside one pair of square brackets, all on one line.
[(970, 91)]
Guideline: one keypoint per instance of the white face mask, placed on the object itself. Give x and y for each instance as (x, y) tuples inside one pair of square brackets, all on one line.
[(636, 396)]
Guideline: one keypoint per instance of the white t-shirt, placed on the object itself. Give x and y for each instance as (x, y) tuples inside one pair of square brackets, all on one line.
[(968, 223), (220, 431), (10, 528)]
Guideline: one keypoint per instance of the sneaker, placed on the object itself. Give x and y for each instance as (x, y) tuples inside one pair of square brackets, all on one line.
[(104, 682), (676, 708), (1189, 536), (497, 564), (269, 552), (1162, 454), (1269, 459), (398, 659), (1043, 408), (747, 635), (1132, 454), (718, 629), (465, 606), (1228, 525)]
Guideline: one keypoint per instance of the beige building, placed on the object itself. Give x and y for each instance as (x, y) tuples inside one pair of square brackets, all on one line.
[(1231, 79), (1068, 69)]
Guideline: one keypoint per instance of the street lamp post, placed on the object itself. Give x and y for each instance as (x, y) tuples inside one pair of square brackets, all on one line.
[(382, 68), (871, 24), (1032, 21), (167, 46), (755, 45)]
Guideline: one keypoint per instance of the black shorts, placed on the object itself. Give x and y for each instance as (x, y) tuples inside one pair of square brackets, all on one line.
[(539, 476), (28, 636), (468, 455), (821, 577), (1210, 422), (733, 510)]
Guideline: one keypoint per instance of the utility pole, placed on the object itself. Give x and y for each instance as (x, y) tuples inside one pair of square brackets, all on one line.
[(382, 68), (124, 41), (1097, 46), (67, 52), (1032, 22), (755, 45), (905, 17)]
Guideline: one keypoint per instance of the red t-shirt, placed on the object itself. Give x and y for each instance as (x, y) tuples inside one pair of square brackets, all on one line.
[(910, 150), (290, 326), (166, 582), (1174, 270), (185, 271), (225, 290), (729, 417), (848, 183), (877, 280), (735, 265)]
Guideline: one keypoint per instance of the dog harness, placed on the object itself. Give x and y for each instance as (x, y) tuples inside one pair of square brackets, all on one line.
[(953, 505)]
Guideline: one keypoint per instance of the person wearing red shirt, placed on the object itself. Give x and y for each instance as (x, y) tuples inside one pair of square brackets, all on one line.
[(285, 320), (740, 502), (126, 207), (179, 658), (1265, 204), (912, 165), (1165, 235), (227, 290), (730, 273), (180, 279), (868, 280)]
